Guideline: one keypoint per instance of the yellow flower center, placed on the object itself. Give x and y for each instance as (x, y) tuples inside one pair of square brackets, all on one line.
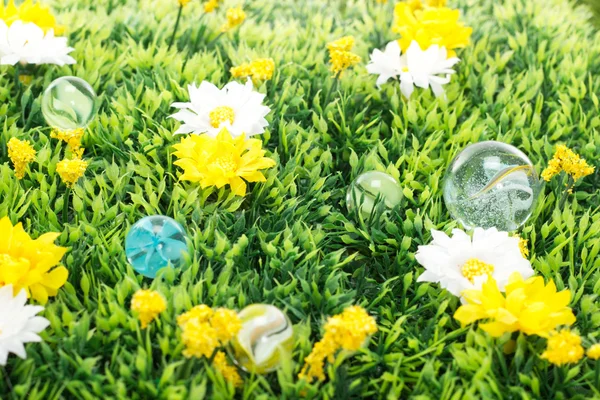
[(523, 247), (12, 269), (6, 260), (404, 69), (220, 115), (225, 163), (475, 267)]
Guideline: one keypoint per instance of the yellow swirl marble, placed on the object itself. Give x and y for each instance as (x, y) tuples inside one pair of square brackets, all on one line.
[(265, 339)]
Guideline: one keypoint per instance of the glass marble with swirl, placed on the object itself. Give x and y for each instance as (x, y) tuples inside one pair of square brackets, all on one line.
[(491, 184), (153, 243), (266, 338)]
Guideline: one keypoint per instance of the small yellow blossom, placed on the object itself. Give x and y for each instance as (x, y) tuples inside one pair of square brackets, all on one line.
[(204, 330), (241, 71), (314, 363), (211, 5), (202, 313), (220, 326), (235, 17), (529, 306), (21, 153), (594, 351), (342, 44), (71, 170), (382, 1), (71, 137), (183, 3), (563, 347), (340, 56), (148, 304), (226, 323), (199, 338), (31, 265), (567, 160), (262, 69), (259, 70), (228, 371), (429, 26), (29, 11), (342, 60), (348, 331), (221, 161)]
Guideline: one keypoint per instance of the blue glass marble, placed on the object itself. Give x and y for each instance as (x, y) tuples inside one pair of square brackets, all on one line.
[(153, 243)]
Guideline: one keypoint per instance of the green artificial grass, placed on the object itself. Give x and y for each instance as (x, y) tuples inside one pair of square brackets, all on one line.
[(594, 6), (531, 77)]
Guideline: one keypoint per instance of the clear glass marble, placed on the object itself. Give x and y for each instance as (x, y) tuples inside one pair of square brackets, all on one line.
[(265, 339), (153, 243), (367, 187), (491, 184), (69, 103)]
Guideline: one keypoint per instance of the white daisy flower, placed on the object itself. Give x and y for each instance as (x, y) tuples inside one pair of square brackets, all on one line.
[(26, 43), (459, 262), (414, 68), (391, 64), (425, 66), (236, 107), (387, 64), (18, 323)]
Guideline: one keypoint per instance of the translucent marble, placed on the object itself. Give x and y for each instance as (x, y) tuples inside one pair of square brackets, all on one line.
[(69, 103), (153, 243), (491, 184), (367, 187), (265, 339)]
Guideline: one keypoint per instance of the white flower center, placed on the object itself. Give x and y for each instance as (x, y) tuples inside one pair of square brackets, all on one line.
[(220, 115), (474, 267)]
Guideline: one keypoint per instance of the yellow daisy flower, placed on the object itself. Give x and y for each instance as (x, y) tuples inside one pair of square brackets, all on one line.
[(529, 306), (30, 264), (429, 26), (29, 11), (221, 161)]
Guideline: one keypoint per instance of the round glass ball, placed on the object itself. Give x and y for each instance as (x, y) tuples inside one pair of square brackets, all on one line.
[(153, 243), (69, 103), (265, 339), (370, 187), (491, 184)]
